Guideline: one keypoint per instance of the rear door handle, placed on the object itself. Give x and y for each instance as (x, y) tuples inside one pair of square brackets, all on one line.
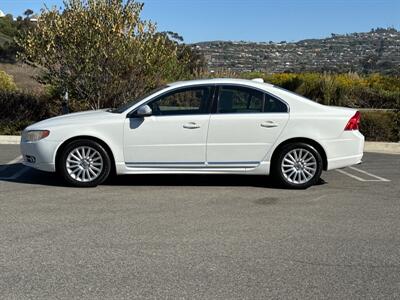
[(191, 125), (269, 124)]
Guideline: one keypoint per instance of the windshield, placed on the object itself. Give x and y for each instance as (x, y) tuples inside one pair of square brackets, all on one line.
[(124, 107)]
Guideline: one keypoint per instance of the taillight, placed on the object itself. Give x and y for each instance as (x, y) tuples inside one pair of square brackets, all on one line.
[(354, 122)]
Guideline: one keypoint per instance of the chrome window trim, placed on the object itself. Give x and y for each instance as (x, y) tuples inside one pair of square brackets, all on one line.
[(252, 88)]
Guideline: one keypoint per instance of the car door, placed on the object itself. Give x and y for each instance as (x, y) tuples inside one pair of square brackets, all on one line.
[(175, 133), (244, 126)]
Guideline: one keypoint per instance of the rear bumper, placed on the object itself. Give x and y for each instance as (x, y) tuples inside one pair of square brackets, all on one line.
[(342, 162), (345, 151), (39, 155)]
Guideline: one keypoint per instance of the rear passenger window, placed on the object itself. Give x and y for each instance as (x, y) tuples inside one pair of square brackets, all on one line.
[(239, 100), (234, 99)]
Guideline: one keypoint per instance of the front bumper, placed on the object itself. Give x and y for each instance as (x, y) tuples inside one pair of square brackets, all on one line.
[(39, 155)]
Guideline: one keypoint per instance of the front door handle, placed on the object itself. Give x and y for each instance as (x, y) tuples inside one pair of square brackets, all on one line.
[(191, 125), (269, 124)]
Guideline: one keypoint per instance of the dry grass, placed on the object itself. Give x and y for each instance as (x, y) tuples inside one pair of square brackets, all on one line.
[(24, 77)]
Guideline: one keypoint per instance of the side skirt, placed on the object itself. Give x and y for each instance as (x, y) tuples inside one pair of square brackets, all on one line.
[(198, 168)]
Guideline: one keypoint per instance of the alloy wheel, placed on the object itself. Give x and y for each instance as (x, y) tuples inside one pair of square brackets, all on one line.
[(299, 166), (84, 164)]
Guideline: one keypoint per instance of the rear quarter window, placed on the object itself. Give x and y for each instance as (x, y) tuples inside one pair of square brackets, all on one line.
[(274, 105)]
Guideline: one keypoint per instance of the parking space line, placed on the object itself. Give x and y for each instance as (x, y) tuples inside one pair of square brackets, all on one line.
[(378, 179), (15, 160), (350, 175), (369, 174), (11, 162), (18, 159)]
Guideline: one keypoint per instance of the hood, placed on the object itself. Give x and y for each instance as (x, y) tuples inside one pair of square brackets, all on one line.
[(73, 118)]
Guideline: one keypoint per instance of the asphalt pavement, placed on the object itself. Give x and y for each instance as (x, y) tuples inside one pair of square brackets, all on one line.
[(200, 236)]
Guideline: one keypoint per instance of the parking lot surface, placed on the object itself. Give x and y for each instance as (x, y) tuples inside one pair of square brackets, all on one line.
[(205, 237)]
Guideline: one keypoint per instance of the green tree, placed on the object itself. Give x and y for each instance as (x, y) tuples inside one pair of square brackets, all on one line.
[(101, 51), (28, 13), (191, 60), (9, 30)]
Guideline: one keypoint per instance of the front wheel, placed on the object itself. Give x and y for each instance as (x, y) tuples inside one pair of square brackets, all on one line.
[(84, 163), (298, 166)]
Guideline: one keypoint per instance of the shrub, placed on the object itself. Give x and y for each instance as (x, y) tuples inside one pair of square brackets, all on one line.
[(13, 128), (6, 82), (19, 109), (349, 89), (380, 125)]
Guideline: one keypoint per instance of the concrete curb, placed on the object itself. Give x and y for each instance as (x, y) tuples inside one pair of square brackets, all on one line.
[(382, 147), (379, 147), (10, 139)]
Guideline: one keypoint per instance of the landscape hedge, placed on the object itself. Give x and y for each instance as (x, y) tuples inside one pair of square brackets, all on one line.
[(18, 110), (380, 125), (349, 89)]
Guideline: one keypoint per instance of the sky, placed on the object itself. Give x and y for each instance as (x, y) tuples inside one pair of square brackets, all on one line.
[(254, 20)]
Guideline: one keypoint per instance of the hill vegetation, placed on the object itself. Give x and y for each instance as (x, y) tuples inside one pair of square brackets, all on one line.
[(368, 52)]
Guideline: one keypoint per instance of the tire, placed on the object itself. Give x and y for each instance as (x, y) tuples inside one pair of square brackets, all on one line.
[(297, 166), (84, 163)]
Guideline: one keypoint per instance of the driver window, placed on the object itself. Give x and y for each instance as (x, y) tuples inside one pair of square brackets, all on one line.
[(183, 102)]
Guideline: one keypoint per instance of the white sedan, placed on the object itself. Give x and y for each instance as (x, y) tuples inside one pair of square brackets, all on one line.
[(215, 126)]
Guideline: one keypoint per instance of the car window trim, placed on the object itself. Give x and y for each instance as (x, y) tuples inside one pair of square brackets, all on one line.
[(182, 88), (216, 99)]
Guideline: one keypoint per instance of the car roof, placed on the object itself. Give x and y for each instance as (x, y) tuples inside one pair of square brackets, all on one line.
[(246, 82)]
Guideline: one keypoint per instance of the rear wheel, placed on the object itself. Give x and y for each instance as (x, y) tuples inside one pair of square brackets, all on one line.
[(84, 163), (298, 165)]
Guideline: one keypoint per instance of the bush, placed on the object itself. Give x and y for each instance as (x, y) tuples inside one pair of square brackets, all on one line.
[(380, 125), (6, 82), (19, 110), (349, 89), (13, 128)]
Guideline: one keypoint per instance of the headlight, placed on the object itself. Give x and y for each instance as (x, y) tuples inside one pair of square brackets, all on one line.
[(34, 135)]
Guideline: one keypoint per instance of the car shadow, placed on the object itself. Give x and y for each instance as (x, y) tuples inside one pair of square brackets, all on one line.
[(19, 173), (31, 176), (192, 180)]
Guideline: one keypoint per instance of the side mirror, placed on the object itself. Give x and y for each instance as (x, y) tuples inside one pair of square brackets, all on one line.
[(143, 111)]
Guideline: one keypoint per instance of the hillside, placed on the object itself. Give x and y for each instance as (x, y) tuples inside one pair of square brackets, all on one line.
[(24, 76), (4, 38), (374, 51)]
